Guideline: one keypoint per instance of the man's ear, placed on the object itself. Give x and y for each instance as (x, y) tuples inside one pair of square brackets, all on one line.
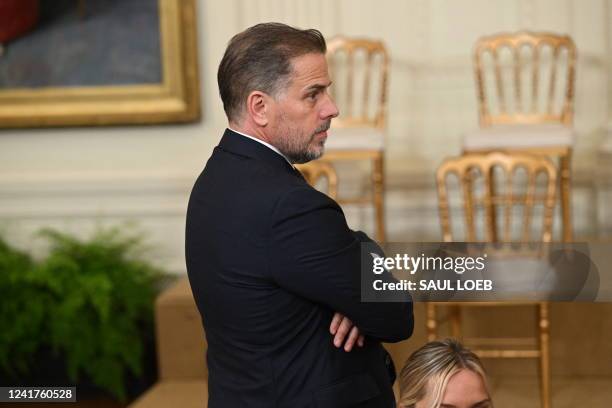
[(257, 107)]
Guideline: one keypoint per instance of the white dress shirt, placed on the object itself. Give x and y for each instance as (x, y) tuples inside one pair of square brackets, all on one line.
[(268, 145)]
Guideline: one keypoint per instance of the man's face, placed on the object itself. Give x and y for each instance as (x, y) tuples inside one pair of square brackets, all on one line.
[(302, 113)]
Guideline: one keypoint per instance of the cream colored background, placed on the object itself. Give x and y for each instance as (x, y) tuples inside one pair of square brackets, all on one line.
[(78, 178)]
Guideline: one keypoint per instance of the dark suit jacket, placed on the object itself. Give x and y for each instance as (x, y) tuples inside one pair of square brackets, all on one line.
[(270, 259)]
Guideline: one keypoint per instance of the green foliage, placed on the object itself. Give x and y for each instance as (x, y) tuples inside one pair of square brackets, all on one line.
[(22, 311), (92, 303)]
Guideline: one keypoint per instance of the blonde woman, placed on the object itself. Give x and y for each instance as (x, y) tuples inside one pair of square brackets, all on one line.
[(444, 374)]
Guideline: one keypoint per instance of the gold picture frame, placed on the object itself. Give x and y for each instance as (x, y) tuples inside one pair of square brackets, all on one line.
[(175, 99)]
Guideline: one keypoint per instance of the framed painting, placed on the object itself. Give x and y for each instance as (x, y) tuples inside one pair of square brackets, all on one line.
[(98, 62)]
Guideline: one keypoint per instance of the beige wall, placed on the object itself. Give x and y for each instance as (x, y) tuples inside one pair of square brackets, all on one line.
[(78, 178)]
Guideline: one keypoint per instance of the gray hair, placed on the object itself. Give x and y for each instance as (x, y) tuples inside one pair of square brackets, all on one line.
[(259, 59)]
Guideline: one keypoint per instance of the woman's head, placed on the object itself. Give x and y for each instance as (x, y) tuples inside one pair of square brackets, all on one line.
[(443, 374)]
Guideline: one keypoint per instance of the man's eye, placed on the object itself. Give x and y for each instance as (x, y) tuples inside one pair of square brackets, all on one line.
[(312, 95)]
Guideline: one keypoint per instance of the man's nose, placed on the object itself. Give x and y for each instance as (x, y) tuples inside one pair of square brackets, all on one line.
[(330, 110)]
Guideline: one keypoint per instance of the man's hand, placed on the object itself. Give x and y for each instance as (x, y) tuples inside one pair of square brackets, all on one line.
[(342, 326)]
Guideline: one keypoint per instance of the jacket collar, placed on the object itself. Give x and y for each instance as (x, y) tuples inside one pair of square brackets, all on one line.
[(238, 144)]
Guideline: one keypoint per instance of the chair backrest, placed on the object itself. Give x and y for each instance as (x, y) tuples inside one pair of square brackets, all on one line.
[(497, 190), (525, 77), (359, 70), (314, 171)]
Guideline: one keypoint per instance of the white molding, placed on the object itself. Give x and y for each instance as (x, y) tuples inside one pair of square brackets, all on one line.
[(87, 195), (92, 182)]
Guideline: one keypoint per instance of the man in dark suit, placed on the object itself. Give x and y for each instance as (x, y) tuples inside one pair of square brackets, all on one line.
[(273, 266)]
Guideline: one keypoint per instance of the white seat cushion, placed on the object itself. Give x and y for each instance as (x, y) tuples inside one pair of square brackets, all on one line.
[(520, 275), (519, 137), (355, 139)]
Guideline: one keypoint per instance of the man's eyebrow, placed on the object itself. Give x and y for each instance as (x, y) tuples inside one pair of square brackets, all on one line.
[(317, 87)]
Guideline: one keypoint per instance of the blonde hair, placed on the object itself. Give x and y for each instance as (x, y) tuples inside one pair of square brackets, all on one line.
[(433, 365)]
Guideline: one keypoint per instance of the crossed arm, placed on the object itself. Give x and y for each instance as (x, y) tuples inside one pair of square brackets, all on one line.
[(310, 233)]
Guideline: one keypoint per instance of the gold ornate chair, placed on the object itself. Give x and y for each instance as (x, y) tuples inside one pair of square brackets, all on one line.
[(525, 84), (315, 171), (359, 70), (476, 174)]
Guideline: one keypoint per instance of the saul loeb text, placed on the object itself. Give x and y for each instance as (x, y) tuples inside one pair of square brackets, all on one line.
[(435, 285)]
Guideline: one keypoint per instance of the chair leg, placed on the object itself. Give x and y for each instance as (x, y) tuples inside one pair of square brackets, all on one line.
[(492, 222), (566, 205), (432, 323), (544, 356), (378, 182)]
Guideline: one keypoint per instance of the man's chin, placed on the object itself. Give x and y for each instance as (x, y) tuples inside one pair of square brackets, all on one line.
[(309, 156), (318, 153)]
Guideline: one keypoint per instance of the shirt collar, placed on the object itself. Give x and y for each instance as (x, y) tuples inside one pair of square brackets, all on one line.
[(268, 145)]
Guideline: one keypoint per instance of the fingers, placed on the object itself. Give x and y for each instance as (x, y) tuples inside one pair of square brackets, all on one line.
[(352, 338), (343, 330), (333, 327)]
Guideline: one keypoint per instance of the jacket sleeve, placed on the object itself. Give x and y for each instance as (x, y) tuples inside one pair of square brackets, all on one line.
[(315, 255)]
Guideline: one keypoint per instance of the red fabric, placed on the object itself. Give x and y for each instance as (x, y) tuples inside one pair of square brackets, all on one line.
[(17, 17)]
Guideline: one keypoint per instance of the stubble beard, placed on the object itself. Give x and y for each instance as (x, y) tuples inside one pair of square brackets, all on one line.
[(297, 146)]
